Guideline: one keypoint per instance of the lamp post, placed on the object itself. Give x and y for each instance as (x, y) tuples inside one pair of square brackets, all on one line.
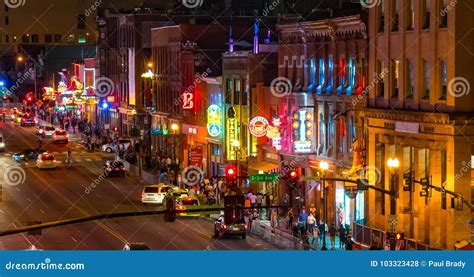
[(174, 128), (393, 164), (236, 144), (324, 166)]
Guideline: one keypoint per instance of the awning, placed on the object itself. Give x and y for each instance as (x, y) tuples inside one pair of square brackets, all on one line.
[(266, 167)]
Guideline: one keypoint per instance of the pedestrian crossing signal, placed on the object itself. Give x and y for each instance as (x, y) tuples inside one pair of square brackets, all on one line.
[(407, 181), (425, 182)]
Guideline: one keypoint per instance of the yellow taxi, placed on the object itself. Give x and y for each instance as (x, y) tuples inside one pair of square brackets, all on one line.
[(46, 160), (187, 203)]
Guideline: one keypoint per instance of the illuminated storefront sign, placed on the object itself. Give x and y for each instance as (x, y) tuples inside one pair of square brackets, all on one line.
[(231, 136), (273, 133), (258, 126), (214, 120), (302, 131), (188, 100)]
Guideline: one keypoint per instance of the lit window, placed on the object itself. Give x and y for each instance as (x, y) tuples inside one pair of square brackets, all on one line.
[(312, 73), (352, 75), (426, 68), (322, 72), (70, 39), (444, 80)]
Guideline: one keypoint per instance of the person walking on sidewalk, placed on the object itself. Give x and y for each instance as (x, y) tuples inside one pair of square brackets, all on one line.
[(311, 223), (332, 236), (342, 236), (290, 216), (303, 216)]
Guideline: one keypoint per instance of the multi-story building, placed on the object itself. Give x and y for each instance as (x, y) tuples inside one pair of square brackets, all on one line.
[(420, 114), (322, 76)]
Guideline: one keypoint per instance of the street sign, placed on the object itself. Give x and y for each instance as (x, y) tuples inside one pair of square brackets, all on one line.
[(270, 177)]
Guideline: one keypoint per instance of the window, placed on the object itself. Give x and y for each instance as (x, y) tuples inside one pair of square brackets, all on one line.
[(444, 79), (81, 22), (81, 39), (7, 20), (380, 163), (321, 75), (443, 13), (381, 21), (426, 14), (57, 38), (48, 38), (426, 72), (411, 79), (330, 75), (237, 92), (411, 15), (71, 39), (35, 38), (25, 39), (443, 178), (228, 91), (395, 15), (245, 93), (380, 78), (6, 8), (351, 69), (342, 75), (394, 72), (312, 73), (7, 38)]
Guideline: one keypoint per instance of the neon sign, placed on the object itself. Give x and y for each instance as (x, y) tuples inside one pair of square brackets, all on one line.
[(214, 120), (302, 131), (188, 102), (232, 135), (273, 133), (258, 126)]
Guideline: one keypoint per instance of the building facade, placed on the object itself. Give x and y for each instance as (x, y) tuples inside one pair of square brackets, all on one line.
[(420, 113)]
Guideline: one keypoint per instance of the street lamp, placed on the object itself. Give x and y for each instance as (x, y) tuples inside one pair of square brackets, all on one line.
[(324, 166), (393, 164), (174, 128)]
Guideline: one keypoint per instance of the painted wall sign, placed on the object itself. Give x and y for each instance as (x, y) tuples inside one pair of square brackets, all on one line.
[(258, 126), (302, 131), (214, 123)]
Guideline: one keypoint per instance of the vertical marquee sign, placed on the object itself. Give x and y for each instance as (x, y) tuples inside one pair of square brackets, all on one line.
[(214, 124), (302, 131), (231, 133)]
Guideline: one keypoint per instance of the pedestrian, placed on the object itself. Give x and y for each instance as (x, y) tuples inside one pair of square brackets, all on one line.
[(349, 243), (322, 230), (316, 232), (332, 236), (259, 202), (342, 236), (253, 199), (303, 216), (311, 220), (290, 216), (285, 203)]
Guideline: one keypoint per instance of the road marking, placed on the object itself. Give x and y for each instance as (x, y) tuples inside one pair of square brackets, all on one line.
[(89, 160), (27, 163)]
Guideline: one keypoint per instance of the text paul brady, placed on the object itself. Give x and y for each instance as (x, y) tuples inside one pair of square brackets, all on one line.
[(459, 264)]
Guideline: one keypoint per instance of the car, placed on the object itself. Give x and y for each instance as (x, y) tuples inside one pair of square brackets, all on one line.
[(183, 203), (28, 120), (2, 142), (40, 129), (48, 131), (27, 154), (60, 136), (114, 168), (46, 160), (237, 228), (154, 194), (122, 143)]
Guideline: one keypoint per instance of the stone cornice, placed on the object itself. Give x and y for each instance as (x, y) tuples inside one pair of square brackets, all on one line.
[(416, 116)]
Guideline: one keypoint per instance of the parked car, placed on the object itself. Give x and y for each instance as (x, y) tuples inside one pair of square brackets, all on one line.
[(120, 144)]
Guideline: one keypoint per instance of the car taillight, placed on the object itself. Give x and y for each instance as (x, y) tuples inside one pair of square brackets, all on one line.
[(245, 226), (67, 136), (225, 226), (40, 161), (55, 136), (23, 119), (143, 194), (180, 207)]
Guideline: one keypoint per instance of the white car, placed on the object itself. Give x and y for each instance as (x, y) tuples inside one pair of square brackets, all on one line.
[(48, 131), (121, 144), (154, 194), (60, 136)]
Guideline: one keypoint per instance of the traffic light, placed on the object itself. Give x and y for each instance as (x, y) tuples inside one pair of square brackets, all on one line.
[(425, 182), (230, 173), (407, 181), (362, 184), (293, 175)]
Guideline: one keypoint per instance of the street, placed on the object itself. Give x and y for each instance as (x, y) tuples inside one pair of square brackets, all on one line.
[(66, 192)]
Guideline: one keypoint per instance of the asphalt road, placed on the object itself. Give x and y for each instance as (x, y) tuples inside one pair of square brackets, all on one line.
[(66, 192)]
